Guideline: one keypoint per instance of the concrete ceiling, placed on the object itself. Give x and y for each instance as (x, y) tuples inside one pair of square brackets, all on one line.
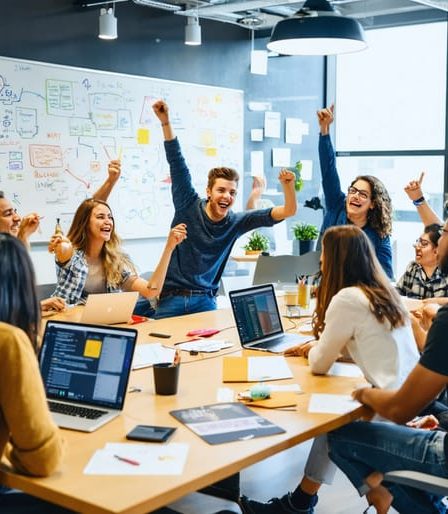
[(264, 14)]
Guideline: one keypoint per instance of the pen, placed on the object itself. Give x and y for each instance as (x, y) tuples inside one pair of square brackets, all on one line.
[(176, 358), (128, 461)]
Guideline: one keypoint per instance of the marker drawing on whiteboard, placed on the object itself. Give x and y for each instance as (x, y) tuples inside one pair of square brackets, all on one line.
[(87, 184)]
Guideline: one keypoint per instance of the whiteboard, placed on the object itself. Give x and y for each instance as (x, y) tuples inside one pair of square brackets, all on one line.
[(60, 125)]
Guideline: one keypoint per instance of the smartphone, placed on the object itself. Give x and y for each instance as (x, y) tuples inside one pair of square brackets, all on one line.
[(150, 433)]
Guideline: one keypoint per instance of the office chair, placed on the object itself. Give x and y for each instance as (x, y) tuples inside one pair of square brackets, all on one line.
[(285, 268), (429, 483)]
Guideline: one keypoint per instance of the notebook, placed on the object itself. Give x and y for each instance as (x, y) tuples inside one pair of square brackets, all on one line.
[(85, 370), (258, 321), (109, 308)]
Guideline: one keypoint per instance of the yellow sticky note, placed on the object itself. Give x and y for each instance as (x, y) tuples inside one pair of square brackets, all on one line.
[(143, 136), (211, 152), (92, 348), (218, 99)]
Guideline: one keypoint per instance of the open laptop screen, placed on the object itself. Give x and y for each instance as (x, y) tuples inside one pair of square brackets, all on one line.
[(256, 313), (86, 363)]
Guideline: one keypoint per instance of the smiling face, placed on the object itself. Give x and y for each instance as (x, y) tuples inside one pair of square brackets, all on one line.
[(9, 219), (425, 251), (221, 197), (359, 200), (101, 223)]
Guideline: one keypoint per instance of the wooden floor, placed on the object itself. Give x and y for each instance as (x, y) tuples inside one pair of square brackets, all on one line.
[(274, 477)]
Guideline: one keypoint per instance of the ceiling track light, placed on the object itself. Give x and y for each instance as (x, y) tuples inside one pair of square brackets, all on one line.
[(317, 29), (107, 24), (193, 31)]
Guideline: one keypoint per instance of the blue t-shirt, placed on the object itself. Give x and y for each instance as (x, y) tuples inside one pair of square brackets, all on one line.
[(335, 213), (198, 262)]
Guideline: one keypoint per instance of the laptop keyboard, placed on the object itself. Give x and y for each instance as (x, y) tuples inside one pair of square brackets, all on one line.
[(75, 410)]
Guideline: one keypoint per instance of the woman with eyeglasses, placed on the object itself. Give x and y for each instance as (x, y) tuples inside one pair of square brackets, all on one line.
[(367, 203), (422, 278)]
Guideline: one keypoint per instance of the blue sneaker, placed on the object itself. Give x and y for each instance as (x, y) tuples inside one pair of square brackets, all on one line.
[(281, 505)]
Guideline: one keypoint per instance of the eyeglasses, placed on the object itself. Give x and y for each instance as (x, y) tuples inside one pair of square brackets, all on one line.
[(424, 243), (362, 194)]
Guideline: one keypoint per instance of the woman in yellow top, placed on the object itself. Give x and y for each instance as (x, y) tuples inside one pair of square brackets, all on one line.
[(28, 437)]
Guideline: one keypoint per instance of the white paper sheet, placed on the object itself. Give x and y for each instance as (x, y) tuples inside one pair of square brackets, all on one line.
[(307, 170), (256, 134), (272, 124), (256, 163), (205, 345), (281, 157), (152, 459), (259, 62), (267, 368), (295, 129), (148, 354), (332, 403), (344, 369)]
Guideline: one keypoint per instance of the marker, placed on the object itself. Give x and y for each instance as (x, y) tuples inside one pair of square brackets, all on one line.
[(120, 152), (128, 461), (105, 150)]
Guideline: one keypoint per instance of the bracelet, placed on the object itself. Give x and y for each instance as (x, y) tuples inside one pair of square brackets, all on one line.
[(165, 124), (419, 201)]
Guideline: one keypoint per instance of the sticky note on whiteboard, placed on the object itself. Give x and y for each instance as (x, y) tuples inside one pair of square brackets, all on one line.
[(143, 136)]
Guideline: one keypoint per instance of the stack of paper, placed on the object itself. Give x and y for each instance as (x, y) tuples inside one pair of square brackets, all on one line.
[(153, 353), (138, 459)]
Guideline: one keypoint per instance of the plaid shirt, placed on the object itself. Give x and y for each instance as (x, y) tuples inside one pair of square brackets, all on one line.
[(72, 279), (415, 284)]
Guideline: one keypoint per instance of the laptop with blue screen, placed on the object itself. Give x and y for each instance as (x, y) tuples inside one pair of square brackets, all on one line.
[(258, 320), (85, 370)]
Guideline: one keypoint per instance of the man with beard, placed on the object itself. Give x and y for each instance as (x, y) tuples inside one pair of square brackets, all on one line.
[(197, 264), (366, 450)]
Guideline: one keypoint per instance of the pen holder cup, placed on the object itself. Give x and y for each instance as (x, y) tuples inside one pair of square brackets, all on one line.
[(166, 378)]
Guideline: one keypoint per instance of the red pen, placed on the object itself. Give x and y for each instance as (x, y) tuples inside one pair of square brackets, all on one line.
[(128, 461)]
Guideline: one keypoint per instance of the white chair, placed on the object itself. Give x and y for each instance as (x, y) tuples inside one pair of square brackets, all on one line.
[(430, 483)]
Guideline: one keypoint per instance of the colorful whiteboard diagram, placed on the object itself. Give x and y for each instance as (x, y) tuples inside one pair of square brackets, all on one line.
[(59, 127)]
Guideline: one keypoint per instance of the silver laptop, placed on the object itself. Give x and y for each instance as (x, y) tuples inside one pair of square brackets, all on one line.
[(258, 321), (109, 308), (85, 369)]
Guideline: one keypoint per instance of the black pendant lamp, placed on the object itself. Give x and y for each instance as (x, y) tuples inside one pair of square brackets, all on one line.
[(317, 30)]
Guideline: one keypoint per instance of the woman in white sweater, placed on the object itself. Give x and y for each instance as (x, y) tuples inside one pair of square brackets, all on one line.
[(359, 314)]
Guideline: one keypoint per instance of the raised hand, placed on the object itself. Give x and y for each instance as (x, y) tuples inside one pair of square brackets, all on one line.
[(325, 118), (177, 235), (114, 170), (61, 246), (28, 225), (161, 110), (414, 188), (286, 177)]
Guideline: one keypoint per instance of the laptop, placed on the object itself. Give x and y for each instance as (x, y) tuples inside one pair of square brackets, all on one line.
[(109, 308), (85, 370), (258, 321)]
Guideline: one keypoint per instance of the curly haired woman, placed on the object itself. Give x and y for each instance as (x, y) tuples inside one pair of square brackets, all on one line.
[(367, 203)]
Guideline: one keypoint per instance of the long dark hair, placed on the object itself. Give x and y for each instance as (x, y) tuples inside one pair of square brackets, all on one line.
[(380, 216), (349, 260), (18, 300)]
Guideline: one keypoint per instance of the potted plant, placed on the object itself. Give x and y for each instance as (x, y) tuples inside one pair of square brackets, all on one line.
[(257, 243), (305, 236), (297, 170)]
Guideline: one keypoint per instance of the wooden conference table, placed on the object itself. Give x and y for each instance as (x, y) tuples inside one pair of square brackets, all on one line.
[(200, 379)]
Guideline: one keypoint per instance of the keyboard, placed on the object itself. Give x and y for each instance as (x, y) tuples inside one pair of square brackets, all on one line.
[(75, 410)]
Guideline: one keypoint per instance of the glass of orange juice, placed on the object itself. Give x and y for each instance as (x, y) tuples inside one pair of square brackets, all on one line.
[(304, 295)]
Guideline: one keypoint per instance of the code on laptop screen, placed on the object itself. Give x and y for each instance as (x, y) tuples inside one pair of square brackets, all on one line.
[(86, 363)]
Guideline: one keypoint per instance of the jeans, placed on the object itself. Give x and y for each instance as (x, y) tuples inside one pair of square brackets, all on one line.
[(170, 306), (361, 447), (319, 467)]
